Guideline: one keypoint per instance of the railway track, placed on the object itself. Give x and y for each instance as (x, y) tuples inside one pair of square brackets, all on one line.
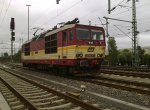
[(126, 73), (137, 69), (133, 88), (142, 88), (23, 93)]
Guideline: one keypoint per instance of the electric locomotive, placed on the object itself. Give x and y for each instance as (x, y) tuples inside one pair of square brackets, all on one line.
[(73, 48)]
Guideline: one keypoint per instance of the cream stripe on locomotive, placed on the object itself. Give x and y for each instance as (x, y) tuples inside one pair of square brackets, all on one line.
[(68, 52)]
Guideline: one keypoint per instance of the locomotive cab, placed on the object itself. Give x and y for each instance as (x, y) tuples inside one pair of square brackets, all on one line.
[(90, 47)]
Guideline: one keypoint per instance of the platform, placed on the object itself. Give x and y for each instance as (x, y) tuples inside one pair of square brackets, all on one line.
[(3, 104)]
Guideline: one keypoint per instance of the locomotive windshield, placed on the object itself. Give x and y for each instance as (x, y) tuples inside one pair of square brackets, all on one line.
[(83, 34), (96, 35), (89, 34)]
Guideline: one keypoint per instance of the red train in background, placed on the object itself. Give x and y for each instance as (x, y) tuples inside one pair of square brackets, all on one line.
[(73, 48)]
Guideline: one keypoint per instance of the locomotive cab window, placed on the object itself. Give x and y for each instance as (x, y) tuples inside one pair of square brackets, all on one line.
[(96, 35), (83, 33)]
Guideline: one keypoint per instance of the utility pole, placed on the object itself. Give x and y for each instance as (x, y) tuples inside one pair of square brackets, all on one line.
[(107, 27), (134, 34), (28, 20), (135, 59), (109, 7), (90, 23)]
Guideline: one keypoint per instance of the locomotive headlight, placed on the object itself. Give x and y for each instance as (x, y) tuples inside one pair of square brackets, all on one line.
[(99, 55), (81, 55)]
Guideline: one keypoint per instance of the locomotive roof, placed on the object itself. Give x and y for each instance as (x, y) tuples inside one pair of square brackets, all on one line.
[(67, 26), (60, 29)]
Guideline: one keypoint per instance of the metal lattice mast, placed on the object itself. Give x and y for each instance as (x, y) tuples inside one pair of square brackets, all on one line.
[(134, 34)]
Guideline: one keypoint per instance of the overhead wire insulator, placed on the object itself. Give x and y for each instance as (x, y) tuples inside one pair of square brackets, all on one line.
[(57, 1)]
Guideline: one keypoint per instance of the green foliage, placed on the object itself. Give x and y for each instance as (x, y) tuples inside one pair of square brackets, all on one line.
[(113, 52), (141, 55), (125, 57), (17, 56), (146, 59), (5, 57)]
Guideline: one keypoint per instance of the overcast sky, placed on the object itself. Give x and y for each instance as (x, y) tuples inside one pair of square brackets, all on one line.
[(46, 14)]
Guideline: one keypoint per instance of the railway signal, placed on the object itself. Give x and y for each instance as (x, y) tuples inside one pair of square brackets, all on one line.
[(12, 24), (12, 27)]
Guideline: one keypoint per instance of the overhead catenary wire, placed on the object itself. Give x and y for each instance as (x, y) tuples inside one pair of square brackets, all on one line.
[(64, 11), (5, 12), (40, 16), (86, 14), (3, 1)]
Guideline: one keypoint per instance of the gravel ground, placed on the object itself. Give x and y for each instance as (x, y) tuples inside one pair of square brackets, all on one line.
[(138, 99)]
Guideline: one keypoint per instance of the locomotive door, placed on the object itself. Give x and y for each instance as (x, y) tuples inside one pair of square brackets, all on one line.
[(64, 44)]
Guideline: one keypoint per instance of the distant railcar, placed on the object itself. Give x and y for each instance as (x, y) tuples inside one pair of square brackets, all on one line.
[(74, 48)]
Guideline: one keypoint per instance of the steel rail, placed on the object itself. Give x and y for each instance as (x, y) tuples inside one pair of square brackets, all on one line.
[(122, 87), (76, 101), (25, 101), (126, 73)]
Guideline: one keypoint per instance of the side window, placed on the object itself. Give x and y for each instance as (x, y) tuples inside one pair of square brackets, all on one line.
[(71, 35), (64, 36), (51, 44)]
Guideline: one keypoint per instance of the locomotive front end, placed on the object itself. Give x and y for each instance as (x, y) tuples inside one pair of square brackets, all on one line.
[(90, 48)]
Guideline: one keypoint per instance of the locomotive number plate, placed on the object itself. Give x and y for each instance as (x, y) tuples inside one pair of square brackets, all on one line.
[(90, 55)]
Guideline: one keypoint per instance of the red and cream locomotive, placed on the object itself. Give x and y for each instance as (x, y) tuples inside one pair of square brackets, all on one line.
[(73, 47)]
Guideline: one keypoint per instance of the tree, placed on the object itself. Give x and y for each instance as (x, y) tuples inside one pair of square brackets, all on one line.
[(121, 59), (140, 54), (125, 57), (146, 59), (4, 57), (113, 52), (17, 56), (5, 54)]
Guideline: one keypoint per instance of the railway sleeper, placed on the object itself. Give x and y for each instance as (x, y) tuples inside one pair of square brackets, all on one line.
[(25, 89), (29, 91), (41, 97), (18, 107), (76, 108), (46, 99), (60, 107), (24, 86), (14, 103), (12, 99), (35, 93), (51, 103)]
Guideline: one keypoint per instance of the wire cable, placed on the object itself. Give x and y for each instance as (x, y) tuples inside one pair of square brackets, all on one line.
[(40, 16), (5, 12), (62, 12), (2, 8)]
